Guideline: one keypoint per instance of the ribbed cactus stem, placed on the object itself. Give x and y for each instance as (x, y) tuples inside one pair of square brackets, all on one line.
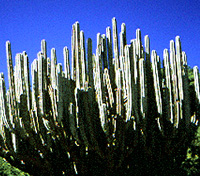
[(3, 107), (44, 48), (73, 48), (10, 66), (60, 97), (138, 43), (156, 81), (12, 94), (128, 82), (184, 58), (109, 88), (168, 81), (134, 82), (135, 61), (122, 45), (104, 51), (115, 44), (179, 73), (44, 70), (18, 73), (98, 80), (110, 58), (59, 75), (143, 105), (196, 82), (174, 83), (41, 82), (53, 67), (187, 99), (66, 62), (90, 62), (123, 30), (147, 44), (77, 54), (82, 60), (123, 76), (109, 45), (34, 72), (48, 67), (118, 92), (34, 75), (122, 65), (99, 55), (27, 80)]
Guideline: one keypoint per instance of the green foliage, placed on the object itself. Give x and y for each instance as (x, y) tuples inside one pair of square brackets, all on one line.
[(191, 165), (191, 76), (7, 169)]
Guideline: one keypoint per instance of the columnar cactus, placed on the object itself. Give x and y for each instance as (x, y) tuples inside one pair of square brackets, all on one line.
[(156, 81), (128, 82), (196, 82), (168, 84), (3, 107), (73, 46), (66, 63), (111, 109), (13, 105), (186, 93), (115, 44), (179, 74), (27, 80), (174, 83), (90, 63), (77, 54), (53, 67), (82, 61), (41, 83), (104, 51)]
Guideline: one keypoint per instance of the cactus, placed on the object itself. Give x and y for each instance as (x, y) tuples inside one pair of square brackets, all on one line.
[(90, 63), (168, 85), (115, 44), (107, 115), (66, 63)]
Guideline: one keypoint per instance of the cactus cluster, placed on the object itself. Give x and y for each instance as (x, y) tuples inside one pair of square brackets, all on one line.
[(105, 115)]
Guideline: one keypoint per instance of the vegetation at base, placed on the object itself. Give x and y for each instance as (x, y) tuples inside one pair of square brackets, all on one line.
[(6, 169), (191, 165)]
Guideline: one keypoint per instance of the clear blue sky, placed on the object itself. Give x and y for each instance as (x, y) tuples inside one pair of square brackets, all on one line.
[(26, 23)]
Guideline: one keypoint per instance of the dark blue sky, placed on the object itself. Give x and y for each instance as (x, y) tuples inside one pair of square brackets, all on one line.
[(26, 23)]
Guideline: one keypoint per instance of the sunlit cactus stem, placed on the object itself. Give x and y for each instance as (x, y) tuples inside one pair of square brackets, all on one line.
[(27, 80), (196, 82), (179, 74), (157, 86), (168, 84), (4, 116), (82, 61), (115, 44), (90, 62), (66, 63), (44, 48), (174, 84), (53, 67)]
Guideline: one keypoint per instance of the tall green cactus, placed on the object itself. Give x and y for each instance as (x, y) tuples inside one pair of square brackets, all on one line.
[(109, 112)]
